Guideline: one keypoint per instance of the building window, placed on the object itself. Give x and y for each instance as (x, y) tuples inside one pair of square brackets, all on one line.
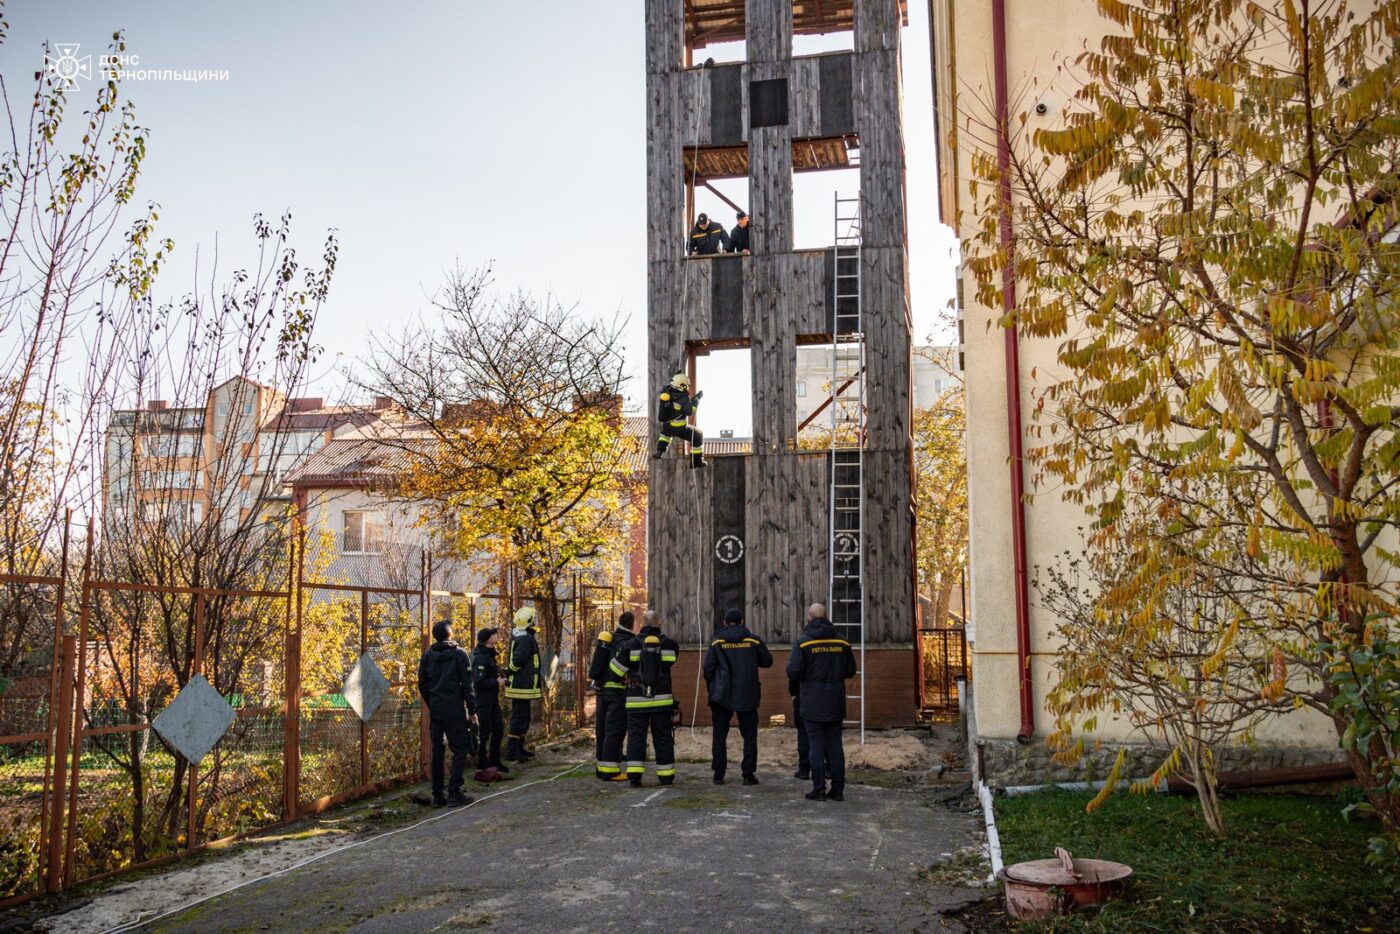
[(802, 389), (363, 533)]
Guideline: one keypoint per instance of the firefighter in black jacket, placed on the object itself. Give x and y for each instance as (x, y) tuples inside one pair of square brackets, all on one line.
[(820, 663), (523, 686), (731, 672), (647, 659), (739, 236), (707, 237), (486, 682), (445, 684), (674, 408), (610, 691)]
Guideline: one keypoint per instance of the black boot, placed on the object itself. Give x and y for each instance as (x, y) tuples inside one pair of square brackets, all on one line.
[(660, 452), (697, 459)]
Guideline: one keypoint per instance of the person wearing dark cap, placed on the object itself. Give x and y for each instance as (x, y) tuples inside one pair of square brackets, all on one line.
[(731, 671), (486, 683), (445, 684), (609, 679), (739, 236), (707, 237)]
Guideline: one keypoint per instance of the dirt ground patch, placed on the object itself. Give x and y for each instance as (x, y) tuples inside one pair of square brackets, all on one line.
[(906, 750)]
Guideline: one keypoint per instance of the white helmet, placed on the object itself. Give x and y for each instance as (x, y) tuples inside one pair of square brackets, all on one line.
[(680, 381), (525, 617)]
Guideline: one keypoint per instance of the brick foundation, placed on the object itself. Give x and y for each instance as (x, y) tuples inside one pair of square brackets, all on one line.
[(889, 687)]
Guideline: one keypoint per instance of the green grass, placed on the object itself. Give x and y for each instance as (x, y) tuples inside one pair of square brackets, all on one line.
[(1289, 863)]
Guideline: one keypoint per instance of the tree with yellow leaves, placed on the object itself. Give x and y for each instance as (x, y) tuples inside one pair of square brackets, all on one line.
[(514, 438), (940, 507), (1209, 227)]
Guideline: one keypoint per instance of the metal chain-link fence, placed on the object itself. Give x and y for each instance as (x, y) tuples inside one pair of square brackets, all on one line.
[(148, 721)]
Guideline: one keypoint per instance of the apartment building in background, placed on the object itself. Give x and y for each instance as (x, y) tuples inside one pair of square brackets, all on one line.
[(222, 459)]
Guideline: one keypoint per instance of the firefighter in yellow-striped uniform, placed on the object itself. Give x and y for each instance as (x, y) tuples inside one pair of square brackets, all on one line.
[(523, 683), (674, 408), (645, 661), (609, 681)]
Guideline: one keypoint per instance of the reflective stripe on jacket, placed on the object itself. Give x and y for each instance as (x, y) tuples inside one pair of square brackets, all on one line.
[(629, 656), (820, 663), (524, 681)]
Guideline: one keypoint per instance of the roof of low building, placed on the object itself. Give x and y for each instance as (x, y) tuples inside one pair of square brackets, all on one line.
[(353, 462)]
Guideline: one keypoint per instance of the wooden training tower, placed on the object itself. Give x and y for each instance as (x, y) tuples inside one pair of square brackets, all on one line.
[(780, 509)]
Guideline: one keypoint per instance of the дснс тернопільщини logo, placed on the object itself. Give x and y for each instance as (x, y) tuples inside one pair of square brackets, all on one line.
[(65, 65)]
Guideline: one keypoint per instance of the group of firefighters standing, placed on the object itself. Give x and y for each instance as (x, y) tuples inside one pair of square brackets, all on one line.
[(630, 672)]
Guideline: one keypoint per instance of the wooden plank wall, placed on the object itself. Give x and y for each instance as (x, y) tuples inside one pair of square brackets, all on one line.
[(783, 295)]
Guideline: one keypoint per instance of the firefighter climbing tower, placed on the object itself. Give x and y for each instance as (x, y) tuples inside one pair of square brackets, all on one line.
[(794, 520)]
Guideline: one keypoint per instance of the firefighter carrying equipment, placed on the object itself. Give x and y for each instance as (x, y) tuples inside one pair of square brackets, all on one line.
[(646, 661), (674, 408)]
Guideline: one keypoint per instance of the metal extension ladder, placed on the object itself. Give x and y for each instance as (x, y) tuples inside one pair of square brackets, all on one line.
[(846, 602)]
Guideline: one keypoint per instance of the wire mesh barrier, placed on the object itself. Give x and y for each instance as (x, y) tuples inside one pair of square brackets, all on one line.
[(29, 688), (179, 723), (942, 661), (360, 726), (149, 721)]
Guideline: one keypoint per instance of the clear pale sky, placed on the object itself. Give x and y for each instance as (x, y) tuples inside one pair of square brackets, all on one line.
[(426, 133)]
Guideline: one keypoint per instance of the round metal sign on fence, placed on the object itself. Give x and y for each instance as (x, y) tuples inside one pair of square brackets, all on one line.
[(729, 549)]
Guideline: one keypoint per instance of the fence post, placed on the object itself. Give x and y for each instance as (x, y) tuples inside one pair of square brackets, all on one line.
[(68, 649), (197, 668), (291, 673), (919, 686), (364, 727), (424, 628), (579, 671), (79, 699)]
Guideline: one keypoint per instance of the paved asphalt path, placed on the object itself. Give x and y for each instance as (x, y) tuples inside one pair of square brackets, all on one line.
[(577, 854)]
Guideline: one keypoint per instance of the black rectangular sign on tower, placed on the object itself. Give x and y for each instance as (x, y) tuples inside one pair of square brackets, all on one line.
[(728, 549)]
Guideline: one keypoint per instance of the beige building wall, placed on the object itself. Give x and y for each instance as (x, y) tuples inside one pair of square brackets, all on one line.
[(1042, 35)]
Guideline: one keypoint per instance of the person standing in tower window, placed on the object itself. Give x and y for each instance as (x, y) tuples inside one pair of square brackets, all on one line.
[(739, 236), (707, 237)]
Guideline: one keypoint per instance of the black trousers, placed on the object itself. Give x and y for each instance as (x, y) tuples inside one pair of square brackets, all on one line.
[(453, 730), (488, 716), (519, 726), (610, 727), (657, 722), (719, 738), (827, 754), (684, 432), (804, 745)]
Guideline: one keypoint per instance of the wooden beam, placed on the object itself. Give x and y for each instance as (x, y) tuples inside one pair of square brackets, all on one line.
[(720, 195), (822, 408)]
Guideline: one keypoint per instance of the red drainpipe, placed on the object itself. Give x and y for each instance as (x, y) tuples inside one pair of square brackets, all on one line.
[(1013, 375)]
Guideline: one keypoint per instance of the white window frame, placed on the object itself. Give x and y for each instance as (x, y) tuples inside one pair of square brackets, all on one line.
[(365, 545)]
